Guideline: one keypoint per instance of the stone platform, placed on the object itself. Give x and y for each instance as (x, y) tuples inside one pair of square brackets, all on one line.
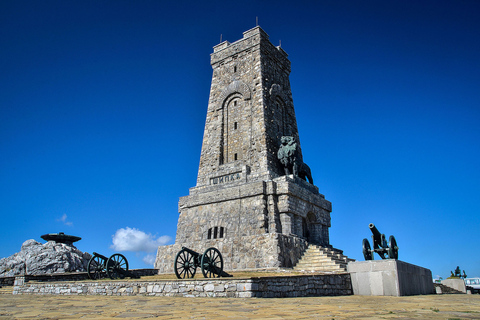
[(455, 284), (389, 278), (262, 287)]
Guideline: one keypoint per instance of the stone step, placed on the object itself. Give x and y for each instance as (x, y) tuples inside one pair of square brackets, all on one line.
[(313, 265), (330, 254), (338, 269), (321, 259), (317, 268), (323, 256)]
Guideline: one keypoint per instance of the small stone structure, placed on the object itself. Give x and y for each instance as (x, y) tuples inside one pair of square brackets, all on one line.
[(244, 203), (389, 278), (456, 284)]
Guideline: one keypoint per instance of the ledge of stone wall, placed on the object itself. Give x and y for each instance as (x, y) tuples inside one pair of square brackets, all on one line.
[(71, 276), (266, 287)]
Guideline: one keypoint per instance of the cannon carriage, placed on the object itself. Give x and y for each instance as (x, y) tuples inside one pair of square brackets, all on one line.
[(114, 267), (187, 261), (380, 246)]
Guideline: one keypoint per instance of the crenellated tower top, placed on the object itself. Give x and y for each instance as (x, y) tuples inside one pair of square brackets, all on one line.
[(250, 108)]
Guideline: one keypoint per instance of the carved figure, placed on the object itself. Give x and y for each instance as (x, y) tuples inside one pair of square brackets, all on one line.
[(288, 156), (458, 273)]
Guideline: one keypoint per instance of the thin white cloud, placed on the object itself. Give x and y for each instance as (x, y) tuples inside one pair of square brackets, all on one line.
[(64, 220), (149, 259), (132, 239)]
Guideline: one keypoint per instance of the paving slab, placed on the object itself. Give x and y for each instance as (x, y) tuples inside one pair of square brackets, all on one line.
[(134, 307)]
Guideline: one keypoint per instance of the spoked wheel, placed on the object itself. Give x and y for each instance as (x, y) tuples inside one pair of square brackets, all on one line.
[(392, 248), (96, 268), (367, 251), (117, 266), (212, 263), (185, 265)]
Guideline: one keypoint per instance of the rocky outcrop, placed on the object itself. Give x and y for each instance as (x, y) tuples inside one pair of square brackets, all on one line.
[(36, 258)]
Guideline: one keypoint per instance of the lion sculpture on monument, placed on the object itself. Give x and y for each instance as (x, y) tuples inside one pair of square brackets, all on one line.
[(292, 164)]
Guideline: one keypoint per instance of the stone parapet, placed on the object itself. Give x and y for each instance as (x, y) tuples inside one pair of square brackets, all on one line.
[(265, 287)]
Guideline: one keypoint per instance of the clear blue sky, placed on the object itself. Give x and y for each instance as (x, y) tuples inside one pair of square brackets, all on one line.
[(103, 103)]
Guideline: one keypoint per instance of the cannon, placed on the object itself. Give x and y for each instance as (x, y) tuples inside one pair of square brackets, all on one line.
[(114, 267), (380, 246), (187, 261)]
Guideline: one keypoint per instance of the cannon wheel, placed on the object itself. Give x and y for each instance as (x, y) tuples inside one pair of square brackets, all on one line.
[(185, 265), (96, 268), (116, 263), (212, 263), (367, 251), (392, 248)]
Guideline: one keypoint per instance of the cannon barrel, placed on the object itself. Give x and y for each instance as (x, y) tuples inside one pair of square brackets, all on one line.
[(193, 253), (385, 250), (374, 230)]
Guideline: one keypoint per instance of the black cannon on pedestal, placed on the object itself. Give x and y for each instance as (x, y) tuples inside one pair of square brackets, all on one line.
[(187, 261), (380, 246), (114, 267)]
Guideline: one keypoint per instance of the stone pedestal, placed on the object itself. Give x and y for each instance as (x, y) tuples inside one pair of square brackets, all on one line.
[(389, 278), (457, 284)]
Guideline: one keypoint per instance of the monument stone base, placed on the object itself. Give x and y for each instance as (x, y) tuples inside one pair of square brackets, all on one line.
[(457, 284), (389, 278)]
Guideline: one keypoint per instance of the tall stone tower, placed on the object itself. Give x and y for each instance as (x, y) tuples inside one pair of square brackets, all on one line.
[(244, 203)]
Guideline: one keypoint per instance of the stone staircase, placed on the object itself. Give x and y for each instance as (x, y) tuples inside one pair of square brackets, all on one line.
[(322, 260)]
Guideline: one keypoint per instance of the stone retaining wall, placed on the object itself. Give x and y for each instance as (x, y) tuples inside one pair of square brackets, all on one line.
[(267, 287)]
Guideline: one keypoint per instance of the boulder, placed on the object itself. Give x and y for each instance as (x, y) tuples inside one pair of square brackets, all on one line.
[(48, 258)]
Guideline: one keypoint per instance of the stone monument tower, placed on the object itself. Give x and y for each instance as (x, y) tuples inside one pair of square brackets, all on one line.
[(250, 200)]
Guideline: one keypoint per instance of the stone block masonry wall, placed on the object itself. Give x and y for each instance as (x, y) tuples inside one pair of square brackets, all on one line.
[(244, 212), (250, 108), (268, 287), (244, 204), (269, 251)]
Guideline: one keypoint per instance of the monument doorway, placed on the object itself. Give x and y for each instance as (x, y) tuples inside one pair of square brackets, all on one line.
[(310, 228)]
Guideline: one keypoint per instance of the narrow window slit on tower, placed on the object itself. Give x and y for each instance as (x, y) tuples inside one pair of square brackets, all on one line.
[(209, 233), (235, 69), (235, 125), (235, 156), (221, 232), (215, 232)]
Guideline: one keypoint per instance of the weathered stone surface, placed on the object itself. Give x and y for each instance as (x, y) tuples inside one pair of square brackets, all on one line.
[(36, 258), (266, 287), (389, 277), (243, 203)]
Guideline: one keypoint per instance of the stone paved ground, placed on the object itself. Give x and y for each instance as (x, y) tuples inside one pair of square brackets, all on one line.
[(458, 306)]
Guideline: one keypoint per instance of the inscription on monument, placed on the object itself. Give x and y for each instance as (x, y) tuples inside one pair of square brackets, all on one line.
[(226, 178)]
